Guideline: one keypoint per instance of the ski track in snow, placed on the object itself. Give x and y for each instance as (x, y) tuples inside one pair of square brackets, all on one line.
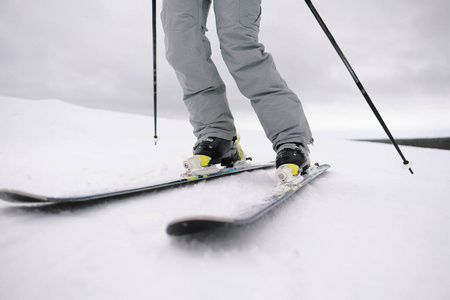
[(366, 229)]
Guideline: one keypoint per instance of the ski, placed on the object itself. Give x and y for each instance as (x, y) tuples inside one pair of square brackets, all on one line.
[(25, 197), (198, 224)]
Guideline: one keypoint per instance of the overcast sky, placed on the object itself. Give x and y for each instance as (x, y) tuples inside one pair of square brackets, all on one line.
[(99, 53)]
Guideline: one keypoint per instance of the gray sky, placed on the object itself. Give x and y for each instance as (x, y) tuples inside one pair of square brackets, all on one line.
[(99, 53)]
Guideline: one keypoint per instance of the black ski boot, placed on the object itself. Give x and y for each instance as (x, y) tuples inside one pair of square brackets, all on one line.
[(218, 150), (212, 151), (292, 160)]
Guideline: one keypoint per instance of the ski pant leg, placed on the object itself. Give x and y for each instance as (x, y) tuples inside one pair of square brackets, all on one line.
[(277, 107), (188, 51)]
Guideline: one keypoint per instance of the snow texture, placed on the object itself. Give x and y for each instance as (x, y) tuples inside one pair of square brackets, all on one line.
[(366, 229)]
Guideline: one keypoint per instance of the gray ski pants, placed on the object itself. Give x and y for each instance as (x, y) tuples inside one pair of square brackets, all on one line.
[(188, 51)]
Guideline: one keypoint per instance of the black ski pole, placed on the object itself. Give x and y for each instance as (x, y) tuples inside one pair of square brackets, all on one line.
[(358, 83), (155, 94)]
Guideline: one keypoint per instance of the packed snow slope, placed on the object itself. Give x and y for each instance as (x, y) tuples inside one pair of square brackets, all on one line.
[(366, 229)]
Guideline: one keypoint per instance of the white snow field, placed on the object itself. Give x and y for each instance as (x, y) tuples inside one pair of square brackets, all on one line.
[(366, 229)]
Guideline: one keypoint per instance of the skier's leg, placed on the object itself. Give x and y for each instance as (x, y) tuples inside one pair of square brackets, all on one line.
[(189, 53), (278, 108)]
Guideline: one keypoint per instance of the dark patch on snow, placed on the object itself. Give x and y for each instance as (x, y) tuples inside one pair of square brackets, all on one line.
[(437, 143)]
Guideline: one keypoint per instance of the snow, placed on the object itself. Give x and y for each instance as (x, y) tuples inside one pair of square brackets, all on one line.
[(366, 229)]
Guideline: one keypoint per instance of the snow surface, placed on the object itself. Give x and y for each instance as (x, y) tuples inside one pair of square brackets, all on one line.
[(366, 229)]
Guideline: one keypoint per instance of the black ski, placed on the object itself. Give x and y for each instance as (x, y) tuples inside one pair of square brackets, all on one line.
[(197, 224), (25, 197)]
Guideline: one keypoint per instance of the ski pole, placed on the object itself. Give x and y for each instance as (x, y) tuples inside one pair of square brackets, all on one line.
[(358, 83), (155, 94)]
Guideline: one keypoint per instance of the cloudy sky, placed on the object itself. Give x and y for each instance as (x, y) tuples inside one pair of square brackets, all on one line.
[(98, 53)]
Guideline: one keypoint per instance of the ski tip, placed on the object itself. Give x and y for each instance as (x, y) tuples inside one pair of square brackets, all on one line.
[(196, 225), (20, 197)]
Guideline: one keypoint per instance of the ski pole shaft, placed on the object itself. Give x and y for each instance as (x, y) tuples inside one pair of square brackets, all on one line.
[(155, 93), (358, 82)]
